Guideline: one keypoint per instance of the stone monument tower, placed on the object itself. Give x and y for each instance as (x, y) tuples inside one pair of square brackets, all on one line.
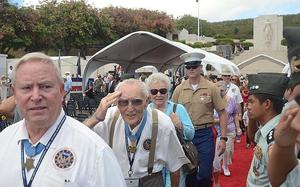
[(3, 65), (268, 33)]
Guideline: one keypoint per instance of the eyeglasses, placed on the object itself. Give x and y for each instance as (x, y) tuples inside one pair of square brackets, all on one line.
[(233, 79), (191, 67), (134, 102), (155, 91), (226, 75)]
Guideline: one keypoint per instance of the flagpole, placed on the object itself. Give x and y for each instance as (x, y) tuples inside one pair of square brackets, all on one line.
[(78, 65), (198, 17), (59, 62)]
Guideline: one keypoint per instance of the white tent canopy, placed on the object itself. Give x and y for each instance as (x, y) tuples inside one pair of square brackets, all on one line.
[(144, 48), (217, 63), (67, 63)]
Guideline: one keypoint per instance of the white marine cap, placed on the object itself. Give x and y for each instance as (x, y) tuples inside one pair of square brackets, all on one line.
[(192, 59), (226, 70)]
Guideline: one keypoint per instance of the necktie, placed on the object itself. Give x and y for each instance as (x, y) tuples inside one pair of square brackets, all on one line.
[(31, 150)]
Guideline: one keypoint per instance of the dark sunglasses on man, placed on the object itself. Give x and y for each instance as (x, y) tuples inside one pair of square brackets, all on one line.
[(191, 67), (125, 102), (161, 91)]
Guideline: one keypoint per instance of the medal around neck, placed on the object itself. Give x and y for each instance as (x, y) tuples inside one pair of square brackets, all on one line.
[(132, 148), (31, 151), (29, 164)]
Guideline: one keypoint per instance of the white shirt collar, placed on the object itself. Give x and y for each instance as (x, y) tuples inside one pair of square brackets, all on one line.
[(23, 134)]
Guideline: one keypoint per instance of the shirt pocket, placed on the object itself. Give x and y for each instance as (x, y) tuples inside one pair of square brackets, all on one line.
[(203, 99)]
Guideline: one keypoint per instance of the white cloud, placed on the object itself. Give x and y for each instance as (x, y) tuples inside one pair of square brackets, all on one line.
[(211, 10)]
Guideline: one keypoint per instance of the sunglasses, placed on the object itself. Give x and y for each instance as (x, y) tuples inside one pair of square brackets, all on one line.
[(191, 67), (155, 91), (233, 79), (134, 102)]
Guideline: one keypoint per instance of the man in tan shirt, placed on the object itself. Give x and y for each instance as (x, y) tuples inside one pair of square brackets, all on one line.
[(201, 97)]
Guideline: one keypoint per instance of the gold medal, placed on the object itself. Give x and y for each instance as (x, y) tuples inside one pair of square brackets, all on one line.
[(258, 152), (29, 164), (132, 147)]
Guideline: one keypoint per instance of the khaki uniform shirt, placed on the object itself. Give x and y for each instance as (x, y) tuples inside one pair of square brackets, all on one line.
[(201, 102)]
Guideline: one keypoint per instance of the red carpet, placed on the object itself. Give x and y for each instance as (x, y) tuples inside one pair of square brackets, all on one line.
[(240, 166)]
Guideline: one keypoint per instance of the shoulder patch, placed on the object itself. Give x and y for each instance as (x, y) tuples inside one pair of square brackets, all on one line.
[(270, 136)]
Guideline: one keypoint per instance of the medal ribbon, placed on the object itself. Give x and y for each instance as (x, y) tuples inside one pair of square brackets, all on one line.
[(32, 150), (42, 156), (135, 137)]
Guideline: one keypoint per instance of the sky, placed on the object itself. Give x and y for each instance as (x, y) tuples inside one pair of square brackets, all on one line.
[(210, 10)]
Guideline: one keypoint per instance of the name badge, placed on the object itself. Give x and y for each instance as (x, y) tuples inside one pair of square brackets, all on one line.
[(132, 182)]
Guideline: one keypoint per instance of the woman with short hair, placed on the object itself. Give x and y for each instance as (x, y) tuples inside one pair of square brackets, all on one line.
[(159, 88)]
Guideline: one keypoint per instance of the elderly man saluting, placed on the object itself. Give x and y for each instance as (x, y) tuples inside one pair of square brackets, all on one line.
[(141, 150), (47, 148)]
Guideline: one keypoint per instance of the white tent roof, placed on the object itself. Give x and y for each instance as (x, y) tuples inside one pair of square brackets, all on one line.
[(144, 48), (218, 63), (68, 63)]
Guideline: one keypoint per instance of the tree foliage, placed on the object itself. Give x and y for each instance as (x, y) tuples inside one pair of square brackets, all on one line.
[(66, 25), (71, 24), (191, 24), (124, 21), (17, 29)]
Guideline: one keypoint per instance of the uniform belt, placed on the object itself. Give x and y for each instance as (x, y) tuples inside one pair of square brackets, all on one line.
[(203, 126)]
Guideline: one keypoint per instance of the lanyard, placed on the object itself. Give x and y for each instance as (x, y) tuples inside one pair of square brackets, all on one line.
[(136, 138), (42, 156)]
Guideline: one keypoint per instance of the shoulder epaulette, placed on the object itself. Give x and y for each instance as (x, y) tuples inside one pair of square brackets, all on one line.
[(270, 136)]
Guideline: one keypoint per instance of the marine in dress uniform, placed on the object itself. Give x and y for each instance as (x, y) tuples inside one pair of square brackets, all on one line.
[(200, 97), (264, 88)]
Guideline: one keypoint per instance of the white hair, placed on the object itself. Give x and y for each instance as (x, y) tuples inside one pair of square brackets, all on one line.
[(132, 81), (158, 77), (41, 57)]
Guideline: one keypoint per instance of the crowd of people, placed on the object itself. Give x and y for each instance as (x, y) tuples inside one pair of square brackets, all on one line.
[(132, 137)]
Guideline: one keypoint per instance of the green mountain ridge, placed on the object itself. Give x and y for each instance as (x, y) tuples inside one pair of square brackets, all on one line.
[(237, 29)]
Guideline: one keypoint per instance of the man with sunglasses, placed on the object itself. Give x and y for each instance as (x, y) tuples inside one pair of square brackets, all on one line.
[(284, 167), (200, 97), (132, 135)]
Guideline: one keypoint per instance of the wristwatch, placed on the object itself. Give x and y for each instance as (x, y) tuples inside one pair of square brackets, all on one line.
[(224, 138)]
